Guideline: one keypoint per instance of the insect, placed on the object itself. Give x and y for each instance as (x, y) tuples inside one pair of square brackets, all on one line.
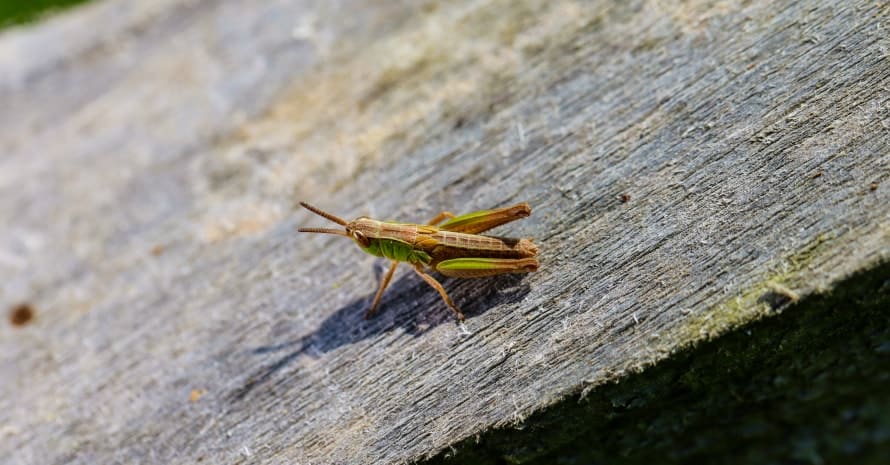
[(453, 248)]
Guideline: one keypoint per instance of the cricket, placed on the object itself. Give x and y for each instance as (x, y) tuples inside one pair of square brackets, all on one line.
[(454, 248)]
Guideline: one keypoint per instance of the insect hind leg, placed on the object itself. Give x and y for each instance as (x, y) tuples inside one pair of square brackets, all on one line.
[(481, 267), (437, 286), (483, 220)]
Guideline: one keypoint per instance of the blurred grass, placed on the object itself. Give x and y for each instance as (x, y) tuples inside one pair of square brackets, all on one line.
[(14, 12)]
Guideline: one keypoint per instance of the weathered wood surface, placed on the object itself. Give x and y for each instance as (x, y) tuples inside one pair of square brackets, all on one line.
[(152, 155)]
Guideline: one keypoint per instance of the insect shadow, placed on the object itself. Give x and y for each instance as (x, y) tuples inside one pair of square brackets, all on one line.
[(410, 305)]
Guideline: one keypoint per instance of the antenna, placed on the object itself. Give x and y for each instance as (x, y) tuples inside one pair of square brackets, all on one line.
[(324, 214), (324, 230)]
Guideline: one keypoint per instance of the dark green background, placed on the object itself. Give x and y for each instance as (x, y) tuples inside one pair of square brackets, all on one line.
[(22, 11)]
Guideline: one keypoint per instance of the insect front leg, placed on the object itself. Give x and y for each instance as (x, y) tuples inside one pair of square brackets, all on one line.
[(383, 283), (440, 217), (432, 282)]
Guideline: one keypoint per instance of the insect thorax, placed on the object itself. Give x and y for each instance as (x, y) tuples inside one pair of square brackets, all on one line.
[(397, 250)]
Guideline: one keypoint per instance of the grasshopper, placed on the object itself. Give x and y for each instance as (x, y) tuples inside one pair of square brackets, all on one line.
[(453, 248)]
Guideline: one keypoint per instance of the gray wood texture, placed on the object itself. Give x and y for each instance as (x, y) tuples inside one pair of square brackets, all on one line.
[(689, 164)]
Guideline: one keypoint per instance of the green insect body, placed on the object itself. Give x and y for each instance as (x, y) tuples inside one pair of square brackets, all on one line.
[(453, 248), (396, 250)]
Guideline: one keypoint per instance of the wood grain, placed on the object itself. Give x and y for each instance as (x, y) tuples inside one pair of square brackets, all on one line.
[(683, 161)]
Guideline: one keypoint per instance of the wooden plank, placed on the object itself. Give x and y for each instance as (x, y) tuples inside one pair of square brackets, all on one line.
[(685, 162)]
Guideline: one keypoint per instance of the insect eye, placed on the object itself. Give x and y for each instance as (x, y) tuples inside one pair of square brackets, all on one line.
[(360, 238)]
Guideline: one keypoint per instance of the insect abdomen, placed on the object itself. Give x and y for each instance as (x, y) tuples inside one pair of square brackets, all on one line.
[(471, 245)]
